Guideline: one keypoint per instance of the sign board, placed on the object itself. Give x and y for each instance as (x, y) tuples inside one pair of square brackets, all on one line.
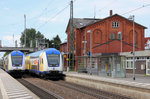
[(65, 56), (67, 59), (88, 53)]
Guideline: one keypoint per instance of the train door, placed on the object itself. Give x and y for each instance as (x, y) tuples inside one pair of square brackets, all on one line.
[(38, 65)]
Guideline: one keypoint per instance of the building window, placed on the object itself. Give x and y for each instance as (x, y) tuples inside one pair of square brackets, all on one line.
[(129, 64), (119, 36), (112, 36), (115, 24)]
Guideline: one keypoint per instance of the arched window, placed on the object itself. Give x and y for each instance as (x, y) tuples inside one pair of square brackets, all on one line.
[(115, 24), (97, 36)]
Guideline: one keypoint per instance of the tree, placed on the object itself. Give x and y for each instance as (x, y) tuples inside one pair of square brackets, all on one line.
[(6, 53), (57, 42), (54, 43), (31, 35)]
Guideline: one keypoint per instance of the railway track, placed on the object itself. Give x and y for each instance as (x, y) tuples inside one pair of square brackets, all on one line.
[(39, 91), (67, 90), (90, 91)]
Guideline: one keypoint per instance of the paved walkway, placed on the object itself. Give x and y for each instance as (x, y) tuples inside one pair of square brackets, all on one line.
[(10, 88), (0, 95), (139, 88), (138, 78), (129, 77)]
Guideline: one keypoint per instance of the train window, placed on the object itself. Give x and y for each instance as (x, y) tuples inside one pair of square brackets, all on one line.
[(16, 60), (53, 60), (42, 60)]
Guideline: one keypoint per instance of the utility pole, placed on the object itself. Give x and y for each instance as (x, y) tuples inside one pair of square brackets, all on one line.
[(132, 17), (24, 30), (133, 50), (13, 40), (71, 37)]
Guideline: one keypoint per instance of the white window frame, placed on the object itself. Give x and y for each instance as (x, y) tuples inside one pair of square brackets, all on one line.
[(115, 24), (130, 62)]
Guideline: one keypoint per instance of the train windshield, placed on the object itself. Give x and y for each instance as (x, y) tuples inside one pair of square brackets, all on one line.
[(16, 60), (53, 60)]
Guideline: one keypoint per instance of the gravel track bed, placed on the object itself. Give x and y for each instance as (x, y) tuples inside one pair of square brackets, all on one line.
[(97, 93), (64, 92)]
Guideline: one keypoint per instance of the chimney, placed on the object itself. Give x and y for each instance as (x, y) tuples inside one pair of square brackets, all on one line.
[(111, 12)]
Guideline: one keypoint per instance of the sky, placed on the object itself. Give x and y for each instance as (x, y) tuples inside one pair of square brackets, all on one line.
[(50, 17)]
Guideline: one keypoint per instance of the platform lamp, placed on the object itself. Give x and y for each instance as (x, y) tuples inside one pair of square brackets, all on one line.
[(84, 42), (89, 31), (132, 18)]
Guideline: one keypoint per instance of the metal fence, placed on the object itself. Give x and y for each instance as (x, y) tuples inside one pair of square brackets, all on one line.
[(104, 65)]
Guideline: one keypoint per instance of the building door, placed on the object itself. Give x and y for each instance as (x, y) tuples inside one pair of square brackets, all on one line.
[(147, 67)]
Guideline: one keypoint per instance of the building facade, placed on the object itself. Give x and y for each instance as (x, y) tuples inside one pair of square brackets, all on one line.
[(147, 43), (94, 36)]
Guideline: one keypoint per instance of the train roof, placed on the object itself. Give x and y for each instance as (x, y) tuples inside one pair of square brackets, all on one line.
[(16, 53), (47, 51)]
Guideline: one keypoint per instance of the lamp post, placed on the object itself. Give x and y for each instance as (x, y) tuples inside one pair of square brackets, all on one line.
[(89, 31), (84, 42), (132, 17), (120, 33)]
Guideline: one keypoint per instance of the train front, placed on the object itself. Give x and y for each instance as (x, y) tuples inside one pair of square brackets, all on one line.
[(54, 60), (17, 61)]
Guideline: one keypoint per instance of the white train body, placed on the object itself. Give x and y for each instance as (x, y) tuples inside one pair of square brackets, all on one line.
[(14, 63), (45, 62)]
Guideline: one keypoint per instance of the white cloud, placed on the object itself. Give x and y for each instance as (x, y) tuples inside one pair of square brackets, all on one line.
[(9, 41), (6, 8), (103, 7)]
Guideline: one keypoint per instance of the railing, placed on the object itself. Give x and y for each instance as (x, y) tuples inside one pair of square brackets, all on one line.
[(2, 49)]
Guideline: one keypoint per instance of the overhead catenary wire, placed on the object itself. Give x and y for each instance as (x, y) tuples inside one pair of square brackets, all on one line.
[(43, 11), (55, 15), (136, 9), (109, 4)]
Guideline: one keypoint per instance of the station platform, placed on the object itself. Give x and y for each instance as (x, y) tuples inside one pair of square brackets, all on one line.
[(138, 88), (10, 88)]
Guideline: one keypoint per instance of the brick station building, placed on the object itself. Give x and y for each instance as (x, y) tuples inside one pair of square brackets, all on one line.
[(105, 35)]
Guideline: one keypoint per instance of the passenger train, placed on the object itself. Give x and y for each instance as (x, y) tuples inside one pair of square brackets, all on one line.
[(14, 63), (45, 63)]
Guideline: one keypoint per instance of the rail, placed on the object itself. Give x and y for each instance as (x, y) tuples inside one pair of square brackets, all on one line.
[(41, 92)]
